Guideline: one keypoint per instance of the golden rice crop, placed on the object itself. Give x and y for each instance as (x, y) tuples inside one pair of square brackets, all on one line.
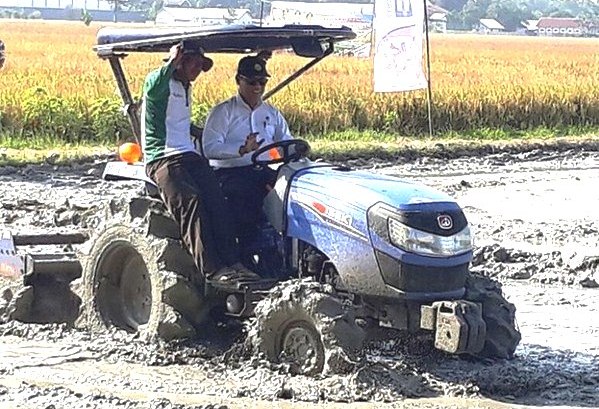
[(54, 83)]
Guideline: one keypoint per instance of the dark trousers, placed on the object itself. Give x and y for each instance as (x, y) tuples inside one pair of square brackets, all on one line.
[(189, 189), (245, 188)]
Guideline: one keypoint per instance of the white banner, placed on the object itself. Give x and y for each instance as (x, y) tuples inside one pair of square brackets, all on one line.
[(398, 28)]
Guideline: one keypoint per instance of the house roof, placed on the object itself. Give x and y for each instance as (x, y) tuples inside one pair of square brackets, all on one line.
[(177, 3), (438, 17), (555, 22), (433, 8), (491, 24), (223, 12), (530, 24)]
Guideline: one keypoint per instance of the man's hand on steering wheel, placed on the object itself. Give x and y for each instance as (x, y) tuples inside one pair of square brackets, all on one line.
[(251, 144)]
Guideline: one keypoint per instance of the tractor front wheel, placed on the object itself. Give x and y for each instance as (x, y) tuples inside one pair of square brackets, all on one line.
[(502, 335), (305, 325)]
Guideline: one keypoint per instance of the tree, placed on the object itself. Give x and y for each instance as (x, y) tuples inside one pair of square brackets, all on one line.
[(86, 17), (155, 7), (451, 5), (473, 11), (508, 13), (117, 4), (140, 5)]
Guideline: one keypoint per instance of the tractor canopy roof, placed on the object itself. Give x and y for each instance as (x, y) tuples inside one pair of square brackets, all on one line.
[(304, 40)]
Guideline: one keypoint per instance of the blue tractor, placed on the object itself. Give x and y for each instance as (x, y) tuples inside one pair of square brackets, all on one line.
[(345, 253)]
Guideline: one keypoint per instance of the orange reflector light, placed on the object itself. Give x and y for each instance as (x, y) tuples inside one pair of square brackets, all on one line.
[(274, 154), (130, 152)]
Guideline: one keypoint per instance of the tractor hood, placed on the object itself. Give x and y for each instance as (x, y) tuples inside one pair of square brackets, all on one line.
[(363, 189)]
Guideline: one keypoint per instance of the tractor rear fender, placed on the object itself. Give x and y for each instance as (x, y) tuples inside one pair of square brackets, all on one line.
[(119, 170)]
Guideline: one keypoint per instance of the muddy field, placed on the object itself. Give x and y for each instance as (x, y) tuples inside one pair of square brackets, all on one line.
[(534, 216)]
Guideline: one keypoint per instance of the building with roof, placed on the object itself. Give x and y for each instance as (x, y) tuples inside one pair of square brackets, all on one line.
[(592, 28), (437, 17), (326, 14), (177, 3), (490, 26), (203, 17), (437, 22), (531, 25), (358, 16), (554, 26), (528, 27)]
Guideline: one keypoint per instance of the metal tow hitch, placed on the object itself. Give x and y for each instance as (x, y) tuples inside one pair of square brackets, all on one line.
[(459, 326)]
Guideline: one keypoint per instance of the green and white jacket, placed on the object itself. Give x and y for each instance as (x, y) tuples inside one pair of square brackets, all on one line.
[(166, 115)]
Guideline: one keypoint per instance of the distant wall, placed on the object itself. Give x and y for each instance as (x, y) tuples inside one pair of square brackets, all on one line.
[(60, 4), (72, 14)]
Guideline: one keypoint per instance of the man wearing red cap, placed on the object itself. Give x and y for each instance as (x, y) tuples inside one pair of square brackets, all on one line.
[(234, 129), (187, 185)]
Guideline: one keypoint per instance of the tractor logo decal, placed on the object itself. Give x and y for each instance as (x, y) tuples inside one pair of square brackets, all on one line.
[(334, 215), (445, 221), (331, 216)]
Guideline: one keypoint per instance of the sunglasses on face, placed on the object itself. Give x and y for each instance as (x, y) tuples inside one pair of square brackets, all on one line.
[(259, 81)]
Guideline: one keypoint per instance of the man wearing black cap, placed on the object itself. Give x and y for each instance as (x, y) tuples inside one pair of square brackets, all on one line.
[(234, 129), (187, 185)]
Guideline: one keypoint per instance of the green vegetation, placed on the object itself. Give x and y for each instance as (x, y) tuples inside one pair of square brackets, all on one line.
[(56, 94), (336, 146), (465, 14), (44, 117)]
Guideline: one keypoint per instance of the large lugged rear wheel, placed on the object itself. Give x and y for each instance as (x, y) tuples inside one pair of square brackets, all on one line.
[(139, 282), (502, 335), (303, 324)]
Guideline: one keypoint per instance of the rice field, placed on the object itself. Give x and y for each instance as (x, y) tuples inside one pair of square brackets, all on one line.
[(54, 86)]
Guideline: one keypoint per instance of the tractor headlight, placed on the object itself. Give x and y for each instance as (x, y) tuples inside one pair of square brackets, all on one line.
[(429, 244)]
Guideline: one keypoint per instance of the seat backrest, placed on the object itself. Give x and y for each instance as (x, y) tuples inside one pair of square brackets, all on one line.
[(196, 136), (152, 191)]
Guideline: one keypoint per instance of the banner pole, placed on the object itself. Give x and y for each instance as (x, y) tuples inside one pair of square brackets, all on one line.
[(428, 77), (372, 44)]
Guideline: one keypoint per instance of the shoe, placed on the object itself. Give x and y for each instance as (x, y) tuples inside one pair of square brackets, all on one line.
[(236, 272), (244, 271)]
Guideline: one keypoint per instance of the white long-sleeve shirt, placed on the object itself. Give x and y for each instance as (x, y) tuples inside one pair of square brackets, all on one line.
[(230, 122)]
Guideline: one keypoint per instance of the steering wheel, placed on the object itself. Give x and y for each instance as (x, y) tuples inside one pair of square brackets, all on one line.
[(300, 149)]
